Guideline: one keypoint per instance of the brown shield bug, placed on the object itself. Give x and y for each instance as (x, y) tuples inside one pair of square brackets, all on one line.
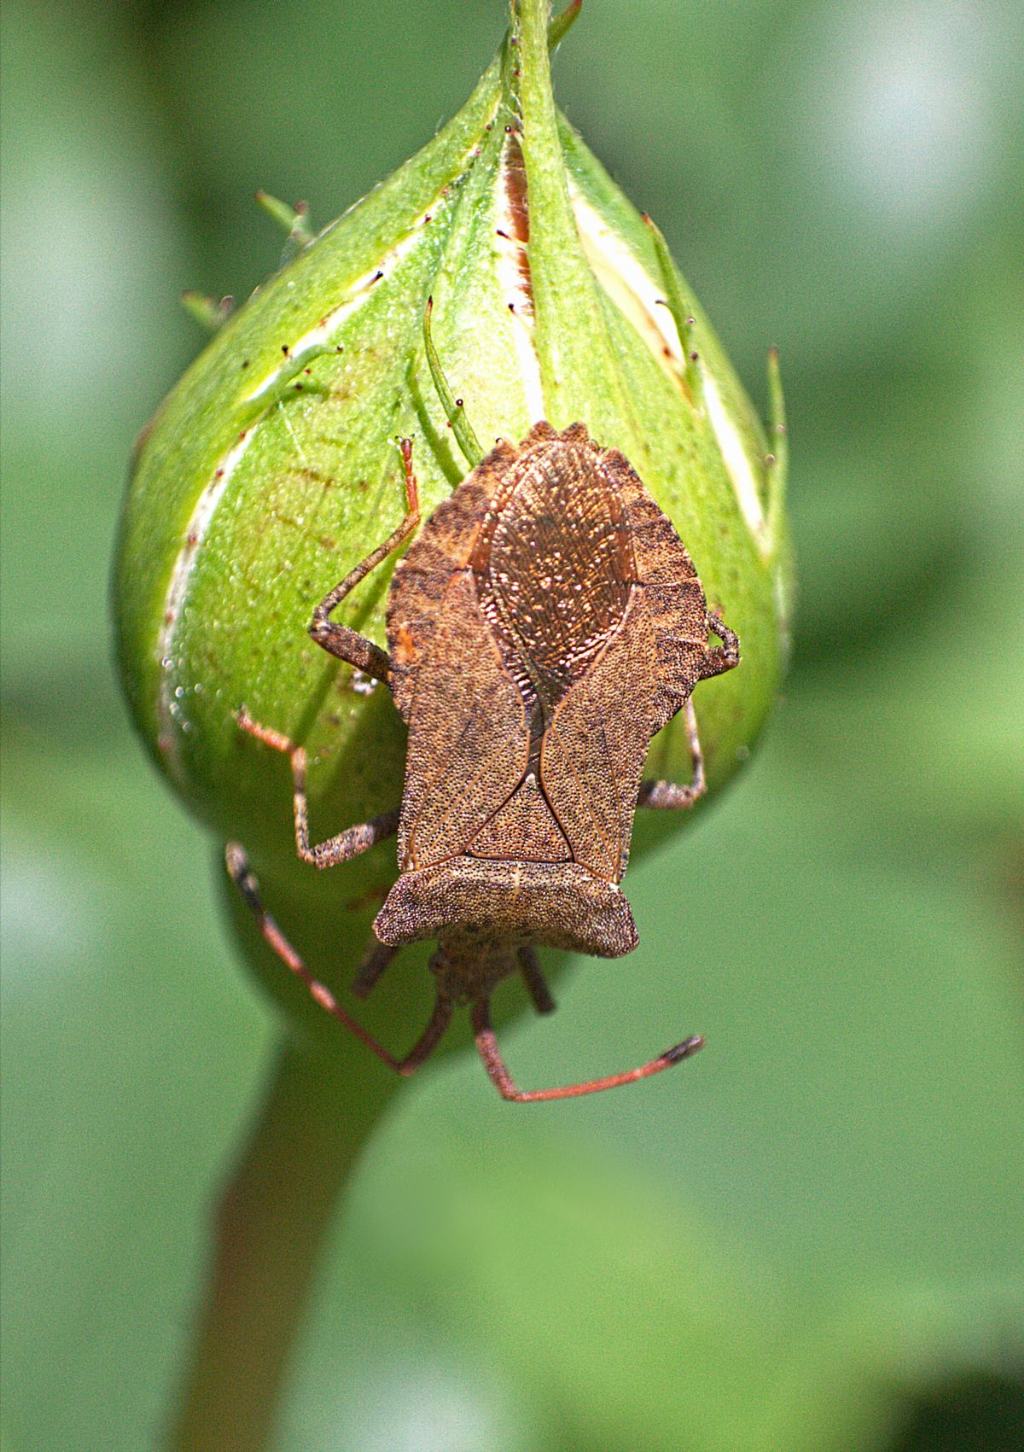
[(545, 623)]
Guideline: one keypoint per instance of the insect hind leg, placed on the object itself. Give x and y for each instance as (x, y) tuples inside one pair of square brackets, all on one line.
[(672, 795), (487, 1047), (244, 879)]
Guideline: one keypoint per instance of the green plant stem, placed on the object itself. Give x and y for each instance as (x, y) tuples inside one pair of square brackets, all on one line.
[(317, 1113)]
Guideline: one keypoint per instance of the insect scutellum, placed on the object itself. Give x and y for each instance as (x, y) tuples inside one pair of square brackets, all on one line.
[(544, 624)]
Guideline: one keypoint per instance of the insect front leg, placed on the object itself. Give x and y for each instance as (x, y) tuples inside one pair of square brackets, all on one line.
[(244, 879), (670, 795), (345, 845), (338, 640)]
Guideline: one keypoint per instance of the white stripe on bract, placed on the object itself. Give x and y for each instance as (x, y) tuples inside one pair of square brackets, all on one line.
[(510, 281), (169, 714), (637, 295), (628, 285), (737, 463)]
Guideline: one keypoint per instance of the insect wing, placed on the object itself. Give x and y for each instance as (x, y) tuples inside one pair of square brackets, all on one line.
[(420, 588), (555, 566), (673, 596), (468, 736), (593, 752)]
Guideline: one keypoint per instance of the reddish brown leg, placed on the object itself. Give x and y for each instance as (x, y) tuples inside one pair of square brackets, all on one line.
[(668, 795), (487, 1046), (540, 993), (242, 876), (339, 640), (337, 849)]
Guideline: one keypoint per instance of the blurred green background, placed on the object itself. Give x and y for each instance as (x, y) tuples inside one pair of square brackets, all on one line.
[(812, 1236)]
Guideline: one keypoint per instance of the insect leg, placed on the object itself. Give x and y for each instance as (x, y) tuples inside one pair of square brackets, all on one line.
[(244, 879), (339, 640), (538, 989), (453, 407), (724, 657), (345, 845), (487, 1047), (370, 969), (242, 875), (668, 795), (429, 1038)]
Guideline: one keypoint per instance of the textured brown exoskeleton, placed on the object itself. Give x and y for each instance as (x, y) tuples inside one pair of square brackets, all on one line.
[(545, 623)]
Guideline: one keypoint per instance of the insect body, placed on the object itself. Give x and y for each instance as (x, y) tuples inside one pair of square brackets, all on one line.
[(543, 626)]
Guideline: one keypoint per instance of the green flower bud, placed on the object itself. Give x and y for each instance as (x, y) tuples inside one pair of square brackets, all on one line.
[(272, 469)]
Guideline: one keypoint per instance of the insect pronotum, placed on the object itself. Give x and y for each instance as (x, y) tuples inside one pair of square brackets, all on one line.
[(544, 624)]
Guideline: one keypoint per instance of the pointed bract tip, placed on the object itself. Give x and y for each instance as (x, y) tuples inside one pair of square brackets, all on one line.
[(207, 310), (563, 23), (291, 220)]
